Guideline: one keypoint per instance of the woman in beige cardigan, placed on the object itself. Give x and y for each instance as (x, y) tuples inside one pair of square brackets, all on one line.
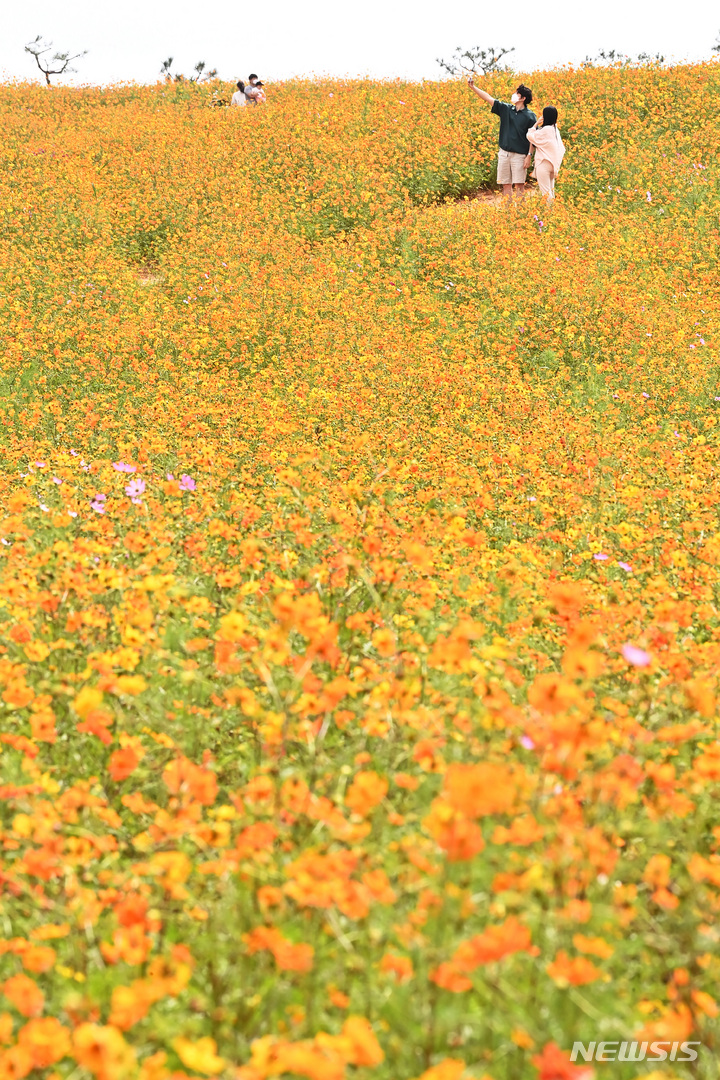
[(544, 139)]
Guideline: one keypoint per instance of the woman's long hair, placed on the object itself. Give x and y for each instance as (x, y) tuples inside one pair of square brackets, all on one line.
[(241, 86), (550, 115)]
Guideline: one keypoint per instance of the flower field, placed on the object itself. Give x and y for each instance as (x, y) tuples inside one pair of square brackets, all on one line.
[(359, 584)]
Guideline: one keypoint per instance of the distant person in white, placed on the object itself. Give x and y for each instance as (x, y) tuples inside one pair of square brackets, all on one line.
[(238, 97)]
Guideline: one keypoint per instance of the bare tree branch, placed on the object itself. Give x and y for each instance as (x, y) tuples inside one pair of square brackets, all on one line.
[(611, 57), (475, 61), (39, 48), (200, 74)]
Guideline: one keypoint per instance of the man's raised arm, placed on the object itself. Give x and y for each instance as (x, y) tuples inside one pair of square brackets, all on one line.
[(481, 93)]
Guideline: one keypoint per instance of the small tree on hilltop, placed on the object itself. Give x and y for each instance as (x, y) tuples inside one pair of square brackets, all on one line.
[(175, 76), (57, 64), (611, 58), (649, 58), (202, 75), (716, 46), (475, 61)]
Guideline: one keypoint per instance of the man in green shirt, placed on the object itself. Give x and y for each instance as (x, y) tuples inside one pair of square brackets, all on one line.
[(515, 122)]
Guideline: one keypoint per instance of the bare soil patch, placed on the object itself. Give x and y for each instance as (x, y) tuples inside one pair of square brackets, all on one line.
[(150, 276)]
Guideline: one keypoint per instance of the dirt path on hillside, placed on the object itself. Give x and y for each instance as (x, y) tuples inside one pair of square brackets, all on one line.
[(488, 197)]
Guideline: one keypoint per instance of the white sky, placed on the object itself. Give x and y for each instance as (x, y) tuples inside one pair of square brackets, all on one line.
[(281, 39)]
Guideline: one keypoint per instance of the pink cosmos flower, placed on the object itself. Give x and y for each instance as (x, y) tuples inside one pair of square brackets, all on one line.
[(601, 556), (121, 466), (635, 655), (625, 566), (187, 483), (135, 488)]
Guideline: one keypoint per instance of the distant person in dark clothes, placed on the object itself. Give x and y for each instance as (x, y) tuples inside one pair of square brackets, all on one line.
[(254, 91), (515, 122)]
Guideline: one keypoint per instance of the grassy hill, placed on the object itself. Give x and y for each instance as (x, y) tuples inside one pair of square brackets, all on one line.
[(359, 552)]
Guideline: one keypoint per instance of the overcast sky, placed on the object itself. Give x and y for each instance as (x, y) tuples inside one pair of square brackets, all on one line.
[(282, 39)]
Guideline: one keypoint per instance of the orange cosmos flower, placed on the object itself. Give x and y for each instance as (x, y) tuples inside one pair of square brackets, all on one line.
[(199, 1056), (38, 958), (97, 722), (705, 1003), (46, 1039), (384, 641), (42, 725), (173, 869), (554, 1064), (479, 790), (16, 1062), (459, 838), (552, 694), (399, 966), (337, 998), (131, 910), (184, 777), (567, 597), (572, 971), (657, 871), (449, 977), (88, 699), (102, 1051), (130, 944), (579, 911), (594, 946), (366, 792), (522, 832), (363, 1047), (122, 764), (493, 944), (50, 931), (675, 1025), (288, 955), (269, 896), (18, 694), (153, 1067), (449, 1069), (24, 994), (405, 780)]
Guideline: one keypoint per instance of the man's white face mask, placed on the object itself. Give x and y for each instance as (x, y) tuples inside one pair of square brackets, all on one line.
[(515, 98)]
